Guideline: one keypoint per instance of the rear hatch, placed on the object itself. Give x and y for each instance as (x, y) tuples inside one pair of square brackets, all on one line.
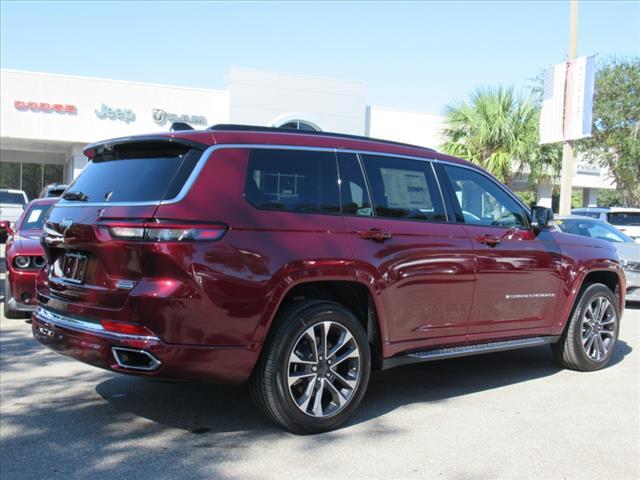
[(123, 185)]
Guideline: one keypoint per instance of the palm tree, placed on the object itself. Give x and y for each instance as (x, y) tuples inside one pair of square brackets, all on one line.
[(498, 130)]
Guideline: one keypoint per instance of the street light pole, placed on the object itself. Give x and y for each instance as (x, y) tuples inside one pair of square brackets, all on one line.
[(566, 177)]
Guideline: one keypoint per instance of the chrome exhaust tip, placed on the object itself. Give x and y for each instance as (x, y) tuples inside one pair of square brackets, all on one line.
[(132, 359)]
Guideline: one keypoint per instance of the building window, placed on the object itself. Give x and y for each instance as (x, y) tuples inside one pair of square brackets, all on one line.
[(300, 125), (30, 177)]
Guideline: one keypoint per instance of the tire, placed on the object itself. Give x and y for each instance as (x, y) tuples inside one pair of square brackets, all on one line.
[(339, 381), (589, 339)]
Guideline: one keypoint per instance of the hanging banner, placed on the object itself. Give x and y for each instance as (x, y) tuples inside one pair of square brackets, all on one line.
[(567, 102)]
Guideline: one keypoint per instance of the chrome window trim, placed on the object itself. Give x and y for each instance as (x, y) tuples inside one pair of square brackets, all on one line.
[(208, 153), (78, 325)]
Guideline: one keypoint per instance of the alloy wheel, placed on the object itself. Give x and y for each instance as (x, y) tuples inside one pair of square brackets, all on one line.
[(598, 328), (323, 369)]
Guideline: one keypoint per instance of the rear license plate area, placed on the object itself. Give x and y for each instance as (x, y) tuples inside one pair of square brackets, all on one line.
[(74, 266)]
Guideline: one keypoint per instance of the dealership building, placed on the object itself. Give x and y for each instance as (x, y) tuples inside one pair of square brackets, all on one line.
[(46, 119)]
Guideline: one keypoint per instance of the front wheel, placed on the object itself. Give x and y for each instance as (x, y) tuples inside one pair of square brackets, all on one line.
[(589, 340), (314, 368)]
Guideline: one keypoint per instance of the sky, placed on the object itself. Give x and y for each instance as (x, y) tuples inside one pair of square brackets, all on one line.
[(417, 56)]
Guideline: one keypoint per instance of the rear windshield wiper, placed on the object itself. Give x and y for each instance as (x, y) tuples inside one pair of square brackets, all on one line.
[(75, 196)]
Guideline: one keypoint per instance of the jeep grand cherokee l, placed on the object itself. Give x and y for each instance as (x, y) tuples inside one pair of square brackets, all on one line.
[(299, 261)]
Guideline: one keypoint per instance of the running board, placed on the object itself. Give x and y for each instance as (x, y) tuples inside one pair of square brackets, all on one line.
[(466, 350)]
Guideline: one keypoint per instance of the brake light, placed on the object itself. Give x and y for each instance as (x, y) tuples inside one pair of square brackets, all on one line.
[(126, 328), (164, 232)]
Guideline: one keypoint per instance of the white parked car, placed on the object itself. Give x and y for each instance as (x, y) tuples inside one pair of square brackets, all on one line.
[(627, 220), (628, 250), (12, 204)]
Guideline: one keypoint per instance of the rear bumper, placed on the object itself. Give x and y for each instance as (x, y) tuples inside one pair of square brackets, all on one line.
[(88, 342)]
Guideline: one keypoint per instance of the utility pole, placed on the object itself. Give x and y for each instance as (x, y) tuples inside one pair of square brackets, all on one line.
[(567, 149)]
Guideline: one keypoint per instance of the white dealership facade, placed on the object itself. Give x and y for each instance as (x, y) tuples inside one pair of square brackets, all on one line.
[(46, 119)]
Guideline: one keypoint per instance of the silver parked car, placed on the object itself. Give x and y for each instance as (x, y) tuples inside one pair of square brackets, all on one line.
[(628, 250), (627, 220)]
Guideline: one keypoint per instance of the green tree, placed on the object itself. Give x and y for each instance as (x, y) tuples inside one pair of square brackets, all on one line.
[(616, 126), (498, 130)]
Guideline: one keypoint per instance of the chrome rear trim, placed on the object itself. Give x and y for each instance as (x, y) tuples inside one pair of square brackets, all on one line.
[(63, 321), (154, 363)]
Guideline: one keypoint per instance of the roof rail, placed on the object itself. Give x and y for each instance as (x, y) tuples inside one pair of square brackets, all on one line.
[(257, 128)]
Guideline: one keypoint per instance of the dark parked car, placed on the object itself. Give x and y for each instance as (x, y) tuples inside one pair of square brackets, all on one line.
[(24, 258), (299, 261)]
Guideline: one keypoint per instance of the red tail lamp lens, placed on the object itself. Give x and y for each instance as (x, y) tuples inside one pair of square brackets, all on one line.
[(126, 328)]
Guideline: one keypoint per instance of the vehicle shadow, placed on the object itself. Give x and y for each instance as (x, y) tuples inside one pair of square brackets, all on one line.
[(207, 409)]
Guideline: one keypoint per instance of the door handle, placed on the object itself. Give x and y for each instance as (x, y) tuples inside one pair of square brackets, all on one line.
[(374, 234), (491, 240)]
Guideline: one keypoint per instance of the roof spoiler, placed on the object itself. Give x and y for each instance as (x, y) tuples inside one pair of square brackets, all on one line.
[(180, 126), (108, 146)]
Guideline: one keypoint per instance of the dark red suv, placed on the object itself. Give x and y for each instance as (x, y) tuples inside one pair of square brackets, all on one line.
[(300, 261)]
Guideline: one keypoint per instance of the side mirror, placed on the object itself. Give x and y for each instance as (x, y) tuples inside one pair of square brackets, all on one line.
[(5, 231), (542, 217)]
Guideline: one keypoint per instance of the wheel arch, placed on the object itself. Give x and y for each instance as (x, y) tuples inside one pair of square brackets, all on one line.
[(352, 294), (610, 278)]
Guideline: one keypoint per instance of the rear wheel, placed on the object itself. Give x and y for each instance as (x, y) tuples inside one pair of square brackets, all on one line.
[(314, 368), (589, 340)]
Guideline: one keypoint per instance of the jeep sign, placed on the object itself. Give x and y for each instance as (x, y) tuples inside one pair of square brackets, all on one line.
[(124, 114)]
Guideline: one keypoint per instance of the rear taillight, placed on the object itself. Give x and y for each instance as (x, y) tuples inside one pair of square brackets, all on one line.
[(126, 328), (166, 232)]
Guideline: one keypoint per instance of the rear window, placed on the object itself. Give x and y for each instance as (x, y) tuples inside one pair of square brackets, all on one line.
[(624, 218), (137, 175), (11, 197), (293, 180)]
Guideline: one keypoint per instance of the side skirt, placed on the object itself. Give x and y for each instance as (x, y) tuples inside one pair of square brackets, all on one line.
[(466, 350)]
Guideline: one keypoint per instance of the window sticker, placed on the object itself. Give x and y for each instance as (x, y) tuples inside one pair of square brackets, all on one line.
[(406, 189), (34, 216)]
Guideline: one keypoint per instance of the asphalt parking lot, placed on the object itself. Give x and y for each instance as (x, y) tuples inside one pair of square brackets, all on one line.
[(508, 415)]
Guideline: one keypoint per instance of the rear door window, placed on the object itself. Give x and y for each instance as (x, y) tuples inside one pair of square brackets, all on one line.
[(293, 181), (140, 174), (403, 188)]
